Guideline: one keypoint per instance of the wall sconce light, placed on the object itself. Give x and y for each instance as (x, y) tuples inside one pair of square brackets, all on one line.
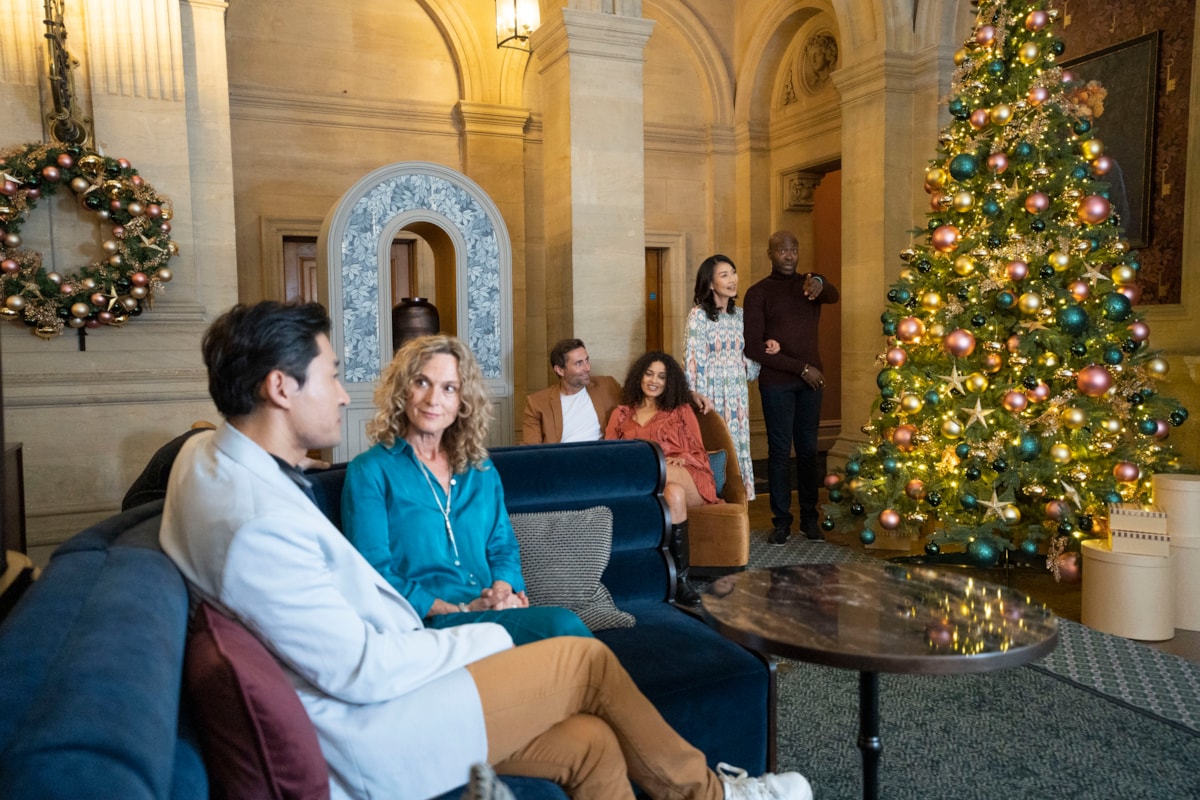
[(515, 20)]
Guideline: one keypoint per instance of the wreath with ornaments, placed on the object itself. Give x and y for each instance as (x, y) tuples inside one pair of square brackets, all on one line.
[(136, 244)]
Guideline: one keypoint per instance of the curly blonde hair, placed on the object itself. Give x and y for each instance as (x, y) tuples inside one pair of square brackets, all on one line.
[(465, 439)]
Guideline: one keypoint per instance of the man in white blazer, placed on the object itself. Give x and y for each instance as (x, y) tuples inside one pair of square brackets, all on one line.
[(401, 711)]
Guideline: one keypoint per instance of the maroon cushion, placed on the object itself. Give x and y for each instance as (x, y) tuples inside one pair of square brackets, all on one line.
[(257, 738)]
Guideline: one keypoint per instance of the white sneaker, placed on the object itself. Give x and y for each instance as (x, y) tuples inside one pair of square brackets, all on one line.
[(784, 786)]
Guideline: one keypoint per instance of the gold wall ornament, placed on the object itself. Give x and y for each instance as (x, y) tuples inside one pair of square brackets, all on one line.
[(67, 125), (135, 257)]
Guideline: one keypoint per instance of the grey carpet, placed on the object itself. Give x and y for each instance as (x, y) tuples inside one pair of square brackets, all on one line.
[(1102, 717)]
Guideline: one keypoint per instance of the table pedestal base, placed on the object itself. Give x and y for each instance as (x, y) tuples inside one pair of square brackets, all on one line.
[(868, 732)]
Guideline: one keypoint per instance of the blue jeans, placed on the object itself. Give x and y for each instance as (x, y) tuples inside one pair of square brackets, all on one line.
[(792, 413)]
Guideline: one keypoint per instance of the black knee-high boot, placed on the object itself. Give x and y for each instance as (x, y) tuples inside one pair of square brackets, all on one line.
[(680, 552)]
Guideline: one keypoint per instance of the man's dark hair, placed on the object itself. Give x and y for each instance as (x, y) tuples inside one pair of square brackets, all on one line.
[(247, 342), (675, 390), (558, 356)]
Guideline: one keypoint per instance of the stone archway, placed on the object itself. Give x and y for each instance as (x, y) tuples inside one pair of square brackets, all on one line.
[(353, 248)]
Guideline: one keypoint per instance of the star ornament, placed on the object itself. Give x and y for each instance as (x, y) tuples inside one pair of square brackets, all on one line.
[(1094, 275), (993, 506), (978, 414), (954, 380), (1072, 494), (1034, 325)]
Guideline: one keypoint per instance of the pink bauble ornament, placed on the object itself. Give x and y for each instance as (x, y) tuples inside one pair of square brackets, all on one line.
[(33, 194), (136, 180), (9, 188), (1017, 270), (915, 489), (1133, 291), (105, 317), (123, 163), (889, 519), (1094, 380), (1139, 331), (119, 231), (1057, 510), (902, 437), (985, 35), (1070, 568), (1161, 429), (1102, 165), (1013, 343), (1094, 209), (1079, 290), (1126, 471), (1038, 95), (99, 300), (9, 266), (1040, 392), (1036, 20), (1037, 202), (910, 329), (51, 174), (896, 357), (65, 161), (992, 362), (153, 210), (959, 343), (832, 480), (1068, 77), (139, 279), (979, 119), (936, 200), (1016, 402), (166, 227), (945, 238), (997, 162)]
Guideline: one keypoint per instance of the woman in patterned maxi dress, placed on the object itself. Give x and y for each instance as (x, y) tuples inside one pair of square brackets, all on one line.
[(714, 360)]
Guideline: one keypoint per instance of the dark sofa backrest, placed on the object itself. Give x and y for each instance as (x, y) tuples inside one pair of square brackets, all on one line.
[(626, 476)]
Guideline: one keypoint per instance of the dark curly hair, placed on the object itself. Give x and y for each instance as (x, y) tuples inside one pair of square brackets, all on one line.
[(675, 392), (702, 295)]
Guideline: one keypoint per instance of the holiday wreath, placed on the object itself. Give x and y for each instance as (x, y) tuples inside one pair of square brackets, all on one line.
[(132, 269)]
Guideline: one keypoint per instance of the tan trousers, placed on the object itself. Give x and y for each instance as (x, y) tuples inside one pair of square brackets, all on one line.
[(564, 709)]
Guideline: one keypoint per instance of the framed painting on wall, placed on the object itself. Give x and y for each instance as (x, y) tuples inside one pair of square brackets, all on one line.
[(1119, 86)]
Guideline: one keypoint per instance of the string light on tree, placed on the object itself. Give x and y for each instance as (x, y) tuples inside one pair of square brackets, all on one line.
[(1018, 390)]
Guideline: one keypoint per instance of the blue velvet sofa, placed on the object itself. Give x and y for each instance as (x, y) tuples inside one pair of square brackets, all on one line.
[(91, 657)]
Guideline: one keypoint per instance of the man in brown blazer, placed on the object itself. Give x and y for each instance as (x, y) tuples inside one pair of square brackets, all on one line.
[(575, 409)]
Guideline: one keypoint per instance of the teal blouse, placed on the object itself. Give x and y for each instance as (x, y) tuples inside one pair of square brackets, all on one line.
[(389, 512)]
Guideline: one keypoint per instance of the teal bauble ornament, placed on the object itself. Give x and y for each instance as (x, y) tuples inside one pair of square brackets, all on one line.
[(969, 502), (1116, 306), (958, 109), (853, 468), (1029, 448), (835, 495), (964, 167), (1023, 150), (1147, 427), (932, 549), (1178, 417), (1112, 497), (932, 397), (962, 450), (990, 207), (1113, 355), (1073, 319), (886, 378), (1029, 547), (867, 536), (890, 465), (1005, 300), (827, 524), (983, 554)]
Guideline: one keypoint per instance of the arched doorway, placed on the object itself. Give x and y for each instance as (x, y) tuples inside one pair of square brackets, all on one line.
[(472, 280)]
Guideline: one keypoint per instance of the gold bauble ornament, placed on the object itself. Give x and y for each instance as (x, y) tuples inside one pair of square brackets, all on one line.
[(1111, 425), (1158, 366), (1029, 53), (976, 382), (1120, 246), (1092, 148), (963, 202), (960, 56), (1059, 260), (164, 275), (911, 403), (937, 330), (992, 362), (1010, 514), (964, 265), (931, 301), (1001, 114), (1074, 418), (1048, 360), (952, 429), (1060, 453), (1040, 172), (1124, 275), (1029, 302), (935, 178)]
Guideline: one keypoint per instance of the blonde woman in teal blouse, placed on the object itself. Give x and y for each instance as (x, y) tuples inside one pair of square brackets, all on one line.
[(425, 506)]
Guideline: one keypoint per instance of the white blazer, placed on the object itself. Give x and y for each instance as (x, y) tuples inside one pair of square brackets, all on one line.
[(396, 714)]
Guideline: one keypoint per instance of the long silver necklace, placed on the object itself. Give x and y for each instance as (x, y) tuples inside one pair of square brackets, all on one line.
[(445, 509)]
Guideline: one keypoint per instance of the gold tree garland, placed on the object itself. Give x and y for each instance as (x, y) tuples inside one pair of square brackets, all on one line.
[(136, 246)]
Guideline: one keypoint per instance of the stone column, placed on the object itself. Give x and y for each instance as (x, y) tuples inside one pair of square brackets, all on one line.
[(877, 114), (594, 173)]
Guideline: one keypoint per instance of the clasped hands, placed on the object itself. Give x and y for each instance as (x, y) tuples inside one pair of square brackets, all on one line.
[(498, 597)]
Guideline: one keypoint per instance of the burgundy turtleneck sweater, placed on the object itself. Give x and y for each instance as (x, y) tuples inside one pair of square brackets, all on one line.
[(776, 308)]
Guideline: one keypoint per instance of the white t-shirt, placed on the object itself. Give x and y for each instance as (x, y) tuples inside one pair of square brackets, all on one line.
[(580, 423)]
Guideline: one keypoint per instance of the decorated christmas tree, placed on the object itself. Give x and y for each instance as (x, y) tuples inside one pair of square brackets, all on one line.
[(1017, 392)]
